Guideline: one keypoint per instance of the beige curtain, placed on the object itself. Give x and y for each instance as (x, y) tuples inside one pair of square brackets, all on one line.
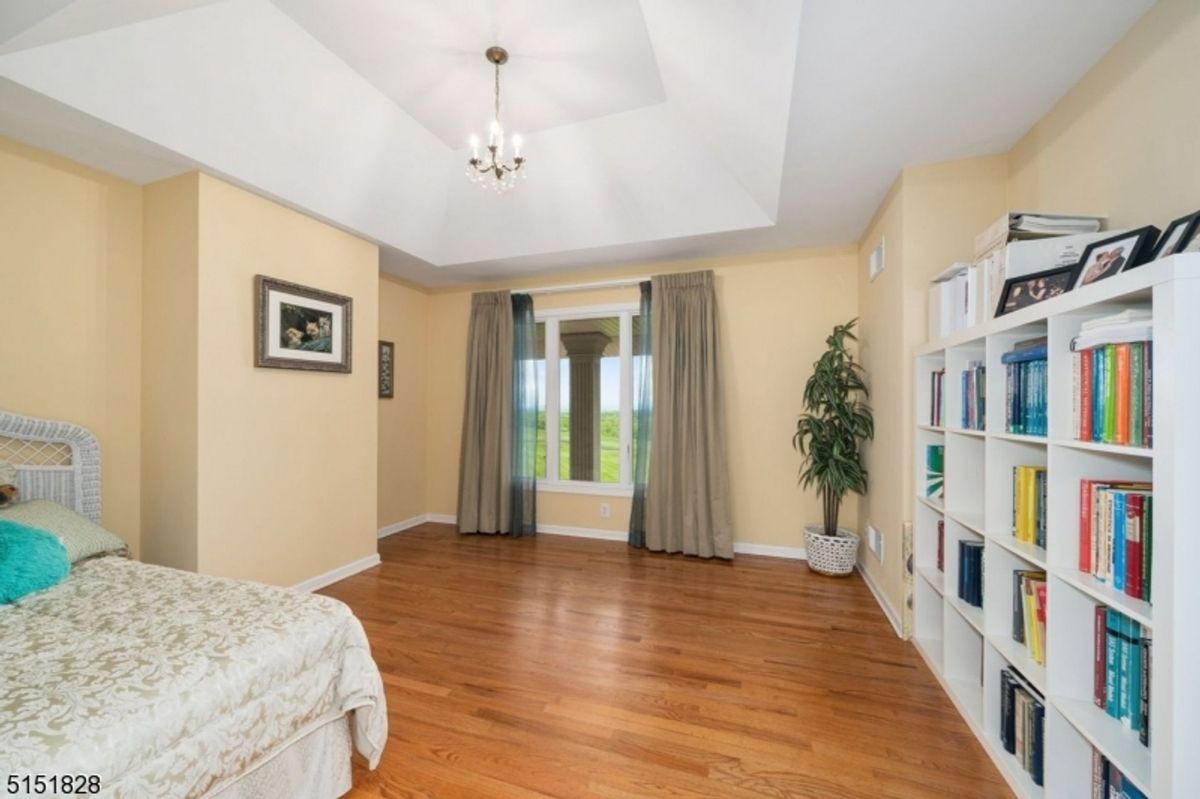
[(687, 493), (485, 459)]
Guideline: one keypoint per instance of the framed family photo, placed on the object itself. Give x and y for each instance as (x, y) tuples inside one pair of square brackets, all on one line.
[(1021, 292), (1181, 234), (297, 327), (1122, 252)]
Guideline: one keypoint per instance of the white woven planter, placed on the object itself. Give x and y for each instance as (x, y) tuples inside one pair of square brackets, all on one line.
[(834, 555)]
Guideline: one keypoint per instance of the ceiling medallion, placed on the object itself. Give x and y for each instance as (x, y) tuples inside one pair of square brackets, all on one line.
[(493, 170)]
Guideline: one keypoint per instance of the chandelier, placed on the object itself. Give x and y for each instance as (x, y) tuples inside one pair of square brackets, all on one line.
[(493, 170)]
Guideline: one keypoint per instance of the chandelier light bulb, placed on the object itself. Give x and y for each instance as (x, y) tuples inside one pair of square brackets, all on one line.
[(516, 140)]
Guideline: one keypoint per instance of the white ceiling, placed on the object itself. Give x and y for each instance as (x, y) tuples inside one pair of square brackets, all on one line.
[(654, 128)]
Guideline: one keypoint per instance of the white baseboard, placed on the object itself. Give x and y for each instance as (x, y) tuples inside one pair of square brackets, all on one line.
[(340, 573), (740, 547), (583, 532), (791, 553), (403, 525), (881, 598)]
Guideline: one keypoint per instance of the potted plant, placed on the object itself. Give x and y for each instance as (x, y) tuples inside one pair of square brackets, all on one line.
[(829, 435)]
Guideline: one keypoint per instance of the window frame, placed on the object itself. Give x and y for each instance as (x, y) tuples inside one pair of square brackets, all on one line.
[(552, 317)]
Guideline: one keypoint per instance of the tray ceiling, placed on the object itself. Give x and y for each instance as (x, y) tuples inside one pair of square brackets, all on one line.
[(654, 128)]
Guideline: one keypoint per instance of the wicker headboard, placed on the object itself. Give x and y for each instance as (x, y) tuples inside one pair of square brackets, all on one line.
[(58, 461)]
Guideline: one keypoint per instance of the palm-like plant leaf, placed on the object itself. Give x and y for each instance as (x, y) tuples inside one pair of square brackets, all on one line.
[(835, 422)]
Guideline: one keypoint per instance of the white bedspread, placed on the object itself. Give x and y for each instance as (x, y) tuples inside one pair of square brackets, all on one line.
[(169, 684)]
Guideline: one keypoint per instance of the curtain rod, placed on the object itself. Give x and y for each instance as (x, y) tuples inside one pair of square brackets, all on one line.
[(601, 284)]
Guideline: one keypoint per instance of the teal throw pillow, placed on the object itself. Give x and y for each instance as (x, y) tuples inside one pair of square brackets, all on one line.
[(30, 560)]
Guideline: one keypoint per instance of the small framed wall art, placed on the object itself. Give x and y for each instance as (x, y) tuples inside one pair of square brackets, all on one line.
[(387, 370), (297, 327)]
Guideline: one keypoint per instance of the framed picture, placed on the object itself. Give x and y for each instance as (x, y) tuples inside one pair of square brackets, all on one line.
[(1180, 234), (1021, 292), (1191, 240), (296, 327), (1107, 257), (387, 364)]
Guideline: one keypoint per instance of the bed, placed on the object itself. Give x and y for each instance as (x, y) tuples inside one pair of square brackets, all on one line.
[(164, 683)]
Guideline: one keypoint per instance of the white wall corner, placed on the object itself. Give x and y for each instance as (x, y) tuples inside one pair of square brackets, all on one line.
[(340, 573), (401, 526), (882, 600)]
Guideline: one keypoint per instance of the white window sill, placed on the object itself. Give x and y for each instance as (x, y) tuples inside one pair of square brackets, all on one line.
[(581, 487)]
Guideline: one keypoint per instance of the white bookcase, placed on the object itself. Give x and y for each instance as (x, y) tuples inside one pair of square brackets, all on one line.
[(966, 647)]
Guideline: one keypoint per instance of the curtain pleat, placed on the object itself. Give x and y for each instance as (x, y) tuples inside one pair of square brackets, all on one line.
[(643, 404), (687, 506), (485, 456), (523, 500)]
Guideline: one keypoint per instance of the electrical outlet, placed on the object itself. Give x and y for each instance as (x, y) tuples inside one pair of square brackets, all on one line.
[(605, 510), (875, 541)]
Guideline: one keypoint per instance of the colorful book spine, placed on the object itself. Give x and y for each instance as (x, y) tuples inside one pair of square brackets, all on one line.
[(1137, 382), (1121, 403), (1113, 394), (1122, 676), (1110, 394), (1085, 395), (1116, 534)]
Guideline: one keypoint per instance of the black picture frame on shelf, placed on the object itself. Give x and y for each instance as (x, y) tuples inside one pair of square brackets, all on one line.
[(1179, 234), (1022, 292), (1120, 253)]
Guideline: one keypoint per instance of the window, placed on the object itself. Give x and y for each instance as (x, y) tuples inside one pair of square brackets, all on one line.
[(585, 393)]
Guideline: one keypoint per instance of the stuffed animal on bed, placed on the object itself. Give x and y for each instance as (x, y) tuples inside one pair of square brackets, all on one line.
[(8, 488)]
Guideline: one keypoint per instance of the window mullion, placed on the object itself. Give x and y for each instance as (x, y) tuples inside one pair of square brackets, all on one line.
[(626, 397), (552, 389)]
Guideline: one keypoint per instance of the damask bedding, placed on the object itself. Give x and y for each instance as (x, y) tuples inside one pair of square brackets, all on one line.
[(170, 684)]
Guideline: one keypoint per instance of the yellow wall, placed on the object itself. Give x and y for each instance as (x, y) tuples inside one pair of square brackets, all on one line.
[(929, 220), (403, 320), (70, 311), (266, 474), (775, 311), (1123, 141), (170, 373), (287, 468), (884, 504)]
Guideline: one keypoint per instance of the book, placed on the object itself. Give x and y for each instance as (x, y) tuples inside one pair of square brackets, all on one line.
[(970, 572), (1144, 694), (1147, 395), (935, 468), (1085, 395), (1113, 406), (1116, 534), (1100, 659), (1121, 402), (1128, 316), (1036, 352), (1110, 394), (1112, 636), (1134, 513), (1121, 685), (1022, 722), (1085, 526), (1137, 377)]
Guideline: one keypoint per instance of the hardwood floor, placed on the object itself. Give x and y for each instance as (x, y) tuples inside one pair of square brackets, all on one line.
[(575, 668)]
